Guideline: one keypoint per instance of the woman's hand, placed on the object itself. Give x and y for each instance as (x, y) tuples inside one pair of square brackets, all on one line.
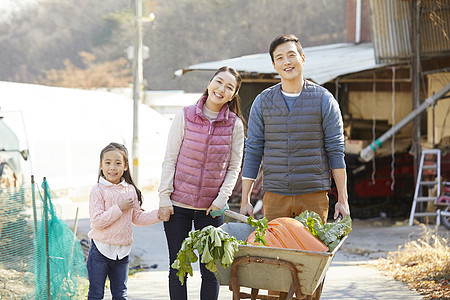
[(212, 208), (126, 204), (164, 213)]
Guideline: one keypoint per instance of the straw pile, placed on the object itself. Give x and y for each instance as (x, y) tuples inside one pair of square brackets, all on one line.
[(423, 264)]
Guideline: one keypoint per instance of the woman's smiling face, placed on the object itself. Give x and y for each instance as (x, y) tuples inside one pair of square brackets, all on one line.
[(221, 89)]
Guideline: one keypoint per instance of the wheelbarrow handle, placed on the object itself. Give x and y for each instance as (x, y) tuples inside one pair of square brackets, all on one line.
[(338, 219), (235, 215), (242, 218), (226, 211)]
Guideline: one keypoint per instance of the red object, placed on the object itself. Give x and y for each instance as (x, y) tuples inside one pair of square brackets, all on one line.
[(443, 200), (403, 174), (291, 234)]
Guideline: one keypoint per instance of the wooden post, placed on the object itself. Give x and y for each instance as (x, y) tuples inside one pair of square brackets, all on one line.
[(137, 85), (33, 199), (415, 79), (47, 255)]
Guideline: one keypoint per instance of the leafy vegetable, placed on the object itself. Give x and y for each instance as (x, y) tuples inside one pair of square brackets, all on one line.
[(330, 233), (260, 230), (212, 244)]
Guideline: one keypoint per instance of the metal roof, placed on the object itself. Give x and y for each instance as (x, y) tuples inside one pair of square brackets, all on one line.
[(392, 26), (323, 63)]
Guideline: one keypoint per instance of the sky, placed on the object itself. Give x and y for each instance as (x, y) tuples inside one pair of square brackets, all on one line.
[(8, 6)]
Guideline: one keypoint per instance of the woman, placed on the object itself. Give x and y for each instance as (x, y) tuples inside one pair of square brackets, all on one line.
[(200, 168)]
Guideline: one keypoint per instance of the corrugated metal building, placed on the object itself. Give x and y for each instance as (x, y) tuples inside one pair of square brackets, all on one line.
[(373, 85), (391, 29), (364, 75), (324, 65)]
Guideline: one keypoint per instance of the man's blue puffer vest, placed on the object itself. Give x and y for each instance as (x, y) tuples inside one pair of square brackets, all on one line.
[(295, 161)]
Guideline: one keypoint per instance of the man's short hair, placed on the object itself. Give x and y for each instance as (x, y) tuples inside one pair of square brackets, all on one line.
[(284, 38)]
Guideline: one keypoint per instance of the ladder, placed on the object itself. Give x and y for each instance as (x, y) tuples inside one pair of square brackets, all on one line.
[(429, 176)]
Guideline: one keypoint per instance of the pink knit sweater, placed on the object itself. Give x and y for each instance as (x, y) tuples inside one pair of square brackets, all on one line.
[(111, 225)]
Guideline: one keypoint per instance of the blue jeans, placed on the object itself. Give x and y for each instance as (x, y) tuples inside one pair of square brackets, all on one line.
[(177, 229), (98, 267)]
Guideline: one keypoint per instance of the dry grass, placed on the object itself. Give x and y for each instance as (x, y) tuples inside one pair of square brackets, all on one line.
[(423, 264), (15, 284)]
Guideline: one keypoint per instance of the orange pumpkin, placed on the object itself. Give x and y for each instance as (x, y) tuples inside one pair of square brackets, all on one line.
[(291, 234)]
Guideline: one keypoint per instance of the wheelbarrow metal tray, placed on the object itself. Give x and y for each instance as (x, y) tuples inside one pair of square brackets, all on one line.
[(311, 266)]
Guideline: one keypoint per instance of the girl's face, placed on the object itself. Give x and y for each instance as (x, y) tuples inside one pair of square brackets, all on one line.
[(113, 165), (221, 89)]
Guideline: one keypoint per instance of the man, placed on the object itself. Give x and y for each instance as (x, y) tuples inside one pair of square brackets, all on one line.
[(297, 127)]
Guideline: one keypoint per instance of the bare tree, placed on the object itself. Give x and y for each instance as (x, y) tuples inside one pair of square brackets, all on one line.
[(51, 35)]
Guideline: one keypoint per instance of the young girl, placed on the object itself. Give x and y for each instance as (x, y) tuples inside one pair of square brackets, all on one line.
[(114, 206), (200, 169)]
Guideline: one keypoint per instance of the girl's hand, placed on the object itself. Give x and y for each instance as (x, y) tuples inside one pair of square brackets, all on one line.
[(125, 204), (164, 213), (212, 208)]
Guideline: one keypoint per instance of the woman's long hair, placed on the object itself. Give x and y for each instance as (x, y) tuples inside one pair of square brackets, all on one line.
[(126, 174), (235, 104)]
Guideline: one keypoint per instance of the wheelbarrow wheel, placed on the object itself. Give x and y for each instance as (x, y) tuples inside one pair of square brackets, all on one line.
[(445, 219)]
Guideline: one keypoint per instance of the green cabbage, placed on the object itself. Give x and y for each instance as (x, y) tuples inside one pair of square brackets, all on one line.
[(212, 244), (330, 233)]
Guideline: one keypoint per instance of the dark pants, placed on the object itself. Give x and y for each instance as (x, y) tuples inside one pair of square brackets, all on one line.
[(177, 229), (99, 267)]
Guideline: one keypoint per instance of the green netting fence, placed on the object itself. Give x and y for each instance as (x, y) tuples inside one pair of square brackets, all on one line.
[(40, 256)]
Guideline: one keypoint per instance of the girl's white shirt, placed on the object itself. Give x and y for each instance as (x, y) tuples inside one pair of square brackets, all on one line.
[(113, 252), (175, 139)]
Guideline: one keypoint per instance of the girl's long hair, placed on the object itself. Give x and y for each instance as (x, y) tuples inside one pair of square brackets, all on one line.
[(235, 104), (126, 174)]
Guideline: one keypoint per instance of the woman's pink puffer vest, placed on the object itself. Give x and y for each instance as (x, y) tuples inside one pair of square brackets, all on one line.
[(204, 156)]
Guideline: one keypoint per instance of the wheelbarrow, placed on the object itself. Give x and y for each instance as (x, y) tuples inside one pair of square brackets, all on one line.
[(291, 271)]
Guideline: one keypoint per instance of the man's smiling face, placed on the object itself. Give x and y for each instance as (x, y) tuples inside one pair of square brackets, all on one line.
[(288, 62)]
